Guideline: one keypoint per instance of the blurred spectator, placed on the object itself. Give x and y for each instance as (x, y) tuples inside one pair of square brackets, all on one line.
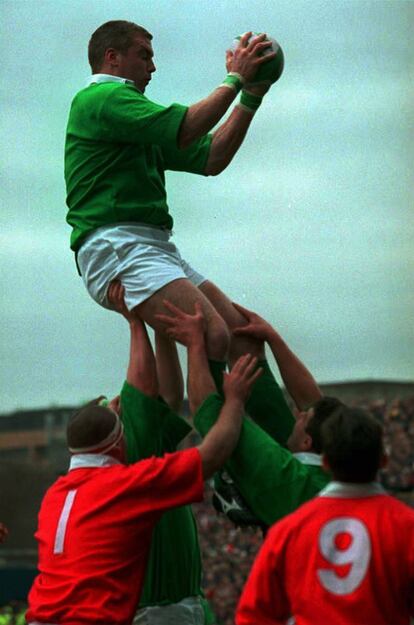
[(3, 532)]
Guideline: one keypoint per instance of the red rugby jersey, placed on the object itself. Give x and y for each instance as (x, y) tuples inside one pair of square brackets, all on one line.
[(94, 534), (344, 558)]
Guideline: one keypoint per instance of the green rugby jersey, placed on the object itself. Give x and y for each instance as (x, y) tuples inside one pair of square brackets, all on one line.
[(174, 565), (118, 146), (272, 480)]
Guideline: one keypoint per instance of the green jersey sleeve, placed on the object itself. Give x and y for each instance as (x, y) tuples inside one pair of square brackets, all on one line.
[(126, 115), (272, 481), (192, 159)]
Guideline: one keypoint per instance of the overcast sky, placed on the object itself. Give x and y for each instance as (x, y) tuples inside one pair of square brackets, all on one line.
[(312, 224)]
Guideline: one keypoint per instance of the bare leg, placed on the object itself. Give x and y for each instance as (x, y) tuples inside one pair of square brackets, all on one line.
[(183, 294), (239, 345)]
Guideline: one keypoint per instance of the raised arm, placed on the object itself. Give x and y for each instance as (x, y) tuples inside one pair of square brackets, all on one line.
[(227, 139), (221, 440), (204, 115), (297, 379), (190, 331), (219, 443), (142, 372), (170, 377)]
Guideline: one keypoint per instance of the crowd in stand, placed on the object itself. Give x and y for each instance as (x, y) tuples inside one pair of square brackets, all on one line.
[(228, 554), (398, 420)]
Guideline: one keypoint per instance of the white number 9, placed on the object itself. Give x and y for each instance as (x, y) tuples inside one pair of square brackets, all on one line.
[(357, 554)]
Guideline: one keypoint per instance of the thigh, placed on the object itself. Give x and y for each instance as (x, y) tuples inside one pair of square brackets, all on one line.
[(222, 304), (233, 319), (181, 293)]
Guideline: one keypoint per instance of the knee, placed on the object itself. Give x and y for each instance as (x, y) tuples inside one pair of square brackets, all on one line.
[(240, 345), (218, 339)]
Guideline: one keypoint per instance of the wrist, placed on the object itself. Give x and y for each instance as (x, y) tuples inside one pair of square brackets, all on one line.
[(233, 81), (236, 402), (197, 343), (135, 323), (250, 102)]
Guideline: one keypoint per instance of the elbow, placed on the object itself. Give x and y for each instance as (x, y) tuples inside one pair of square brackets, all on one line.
[(213, 172), (214, 169), (213, 458), (210, 466), (217, 162)]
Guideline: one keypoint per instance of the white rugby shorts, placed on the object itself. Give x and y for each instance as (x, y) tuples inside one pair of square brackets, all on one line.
[(188, 611), (142, 257)]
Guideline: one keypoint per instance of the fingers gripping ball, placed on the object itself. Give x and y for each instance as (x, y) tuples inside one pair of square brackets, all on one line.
[(269, 71)]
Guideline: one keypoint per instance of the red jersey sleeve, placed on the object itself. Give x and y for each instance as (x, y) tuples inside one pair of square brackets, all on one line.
[(173, 480), (263, 600)]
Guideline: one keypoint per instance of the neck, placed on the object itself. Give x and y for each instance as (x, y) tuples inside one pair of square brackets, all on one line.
[(112, 71)]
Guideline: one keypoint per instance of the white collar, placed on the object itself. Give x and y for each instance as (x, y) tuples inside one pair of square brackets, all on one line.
[(83, 461), (98, 78), (350, 489), (308, 457)]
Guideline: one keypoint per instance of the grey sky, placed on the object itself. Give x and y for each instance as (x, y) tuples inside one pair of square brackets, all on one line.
[(312, 224)]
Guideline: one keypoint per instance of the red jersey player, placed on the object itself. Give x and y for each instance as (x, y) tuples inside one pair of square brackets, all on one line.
[(95, 523), (347, 556)]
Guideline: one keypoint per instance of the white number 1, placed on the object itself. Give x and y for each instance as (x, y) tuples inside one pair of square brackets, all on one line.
[(63, 521), (357, 554)]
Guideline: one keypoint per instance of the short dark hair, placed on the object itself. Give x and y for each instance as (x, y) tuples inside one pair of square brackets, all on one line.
[(117, 34), (90, 425), (353, 445), (322, 409)]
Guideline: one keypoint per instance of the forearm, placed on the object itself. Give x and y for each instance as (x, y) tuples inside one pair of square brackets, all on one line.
[(221, 440), (297, 379), (200, 382), (204, 115), (142, 373), (170, 378), (242, 65), (227, 139)]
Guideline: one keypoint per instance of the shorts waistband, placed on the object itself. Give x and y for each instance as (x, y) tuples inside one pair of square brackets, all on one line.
[(131, 227)]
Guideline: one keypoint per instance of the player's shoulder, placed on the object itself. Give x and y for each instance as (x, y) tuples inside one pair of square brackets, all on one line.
[(107, 90), (295, 521), (400, 510)]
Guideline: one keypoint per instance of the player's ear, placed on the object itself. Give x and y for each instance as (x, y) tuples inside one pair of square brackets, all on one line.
[(111, 57)]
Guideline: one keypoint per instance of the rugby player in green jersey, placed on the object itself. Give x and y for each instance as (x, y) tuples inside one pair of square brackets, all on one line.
[(148, 404), (277, 464), (119, 144)]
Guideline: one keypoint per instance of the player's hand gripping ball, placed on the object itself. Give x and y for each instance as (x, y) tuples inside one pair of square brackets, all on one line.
[(270, 71)]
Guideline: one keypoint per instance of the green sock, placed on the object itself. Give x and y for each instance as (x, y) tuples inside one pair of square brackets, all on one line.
[(217, 368), (267, 406)]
